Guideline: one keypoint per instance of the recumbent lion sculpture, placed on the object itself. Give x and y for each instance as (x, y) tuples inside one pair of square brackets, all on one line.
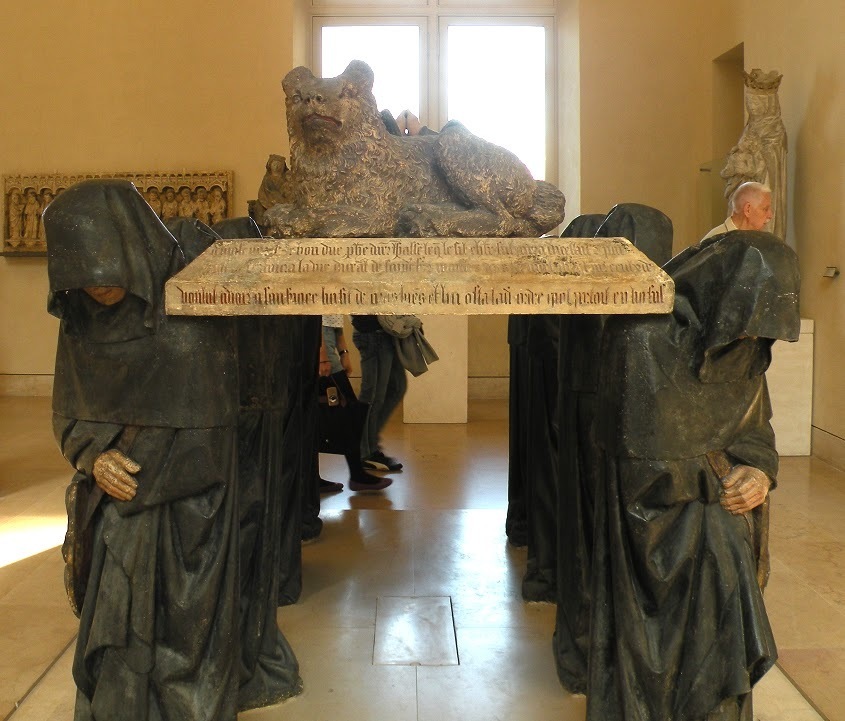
[(352, 178)]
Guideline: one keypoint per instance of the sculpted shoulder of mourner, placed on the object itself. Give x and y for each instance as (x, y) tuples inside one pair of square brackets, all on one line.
[(351, 178)]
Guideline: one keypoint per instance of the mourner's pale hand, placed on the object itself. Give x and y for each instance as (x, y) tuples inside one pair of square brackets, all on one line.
[(113, 473), (744, 488)]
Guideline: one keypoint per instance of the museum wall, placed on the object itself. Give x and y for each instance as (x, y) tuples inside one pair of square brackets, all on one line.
[(96, 85), (804, 42), (646, 114)]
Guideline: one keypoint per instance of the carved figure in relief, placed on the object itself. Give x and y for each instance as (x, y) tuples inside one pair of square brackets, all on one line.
[(217, 205), (169, 206), (31, 215), (202, 208), (46, 198), (154, 200), (186, 203), (760, 154), (350, 177), (275, 187), (15, 206)]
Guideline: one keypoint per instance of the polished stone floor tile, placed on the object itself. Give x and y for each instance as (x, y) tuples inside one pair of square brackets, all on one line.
[(32, 638), (437, 531), (341, 682), (53, 698), (801, 616), (415, 631), (504, 674), (776, 699), (820, 674)]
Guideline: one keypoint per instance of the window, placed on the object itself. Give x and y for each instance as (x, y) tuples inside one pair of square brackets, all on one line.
[(493, 72)]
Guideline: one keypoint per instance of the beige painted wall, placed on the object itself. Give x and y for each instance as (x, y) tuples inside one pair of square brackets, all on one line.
[(646, 123), (804, 42), (97, 85)]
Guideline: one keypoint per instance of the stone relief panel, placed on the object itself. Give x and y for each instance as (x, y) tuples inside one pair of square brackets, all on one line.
[(207, 195)]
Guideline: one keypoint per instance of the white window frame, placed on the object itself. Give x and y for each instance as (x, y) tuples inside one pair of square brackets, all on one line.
[(423, 23), (433, 18)]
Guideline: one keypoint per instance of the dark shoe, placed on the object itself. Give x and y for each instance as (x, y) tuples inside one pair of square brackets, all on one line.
[(380, 462), (329, 486), (365, 484)]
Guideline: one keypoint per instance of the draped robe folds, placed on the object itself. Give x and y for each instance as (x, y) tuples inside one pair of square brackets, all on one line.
[(268, 502), (158, 630), (540, 417), (158, 635), (516, 520), (578, 470), (679, 630)]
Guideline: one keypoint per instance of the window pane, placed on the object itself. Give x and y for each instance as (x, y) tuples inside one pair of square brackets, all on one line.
[(392, 51), (496, 78)]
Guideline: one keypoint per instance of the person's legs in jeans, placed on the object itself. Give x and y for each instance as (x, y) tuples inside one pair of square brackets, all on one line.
[(397, 384), (376, 355)]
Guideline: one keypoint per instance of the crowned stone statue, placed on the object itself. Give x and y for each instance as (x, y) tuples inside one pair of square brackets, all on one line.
[(760, 153)]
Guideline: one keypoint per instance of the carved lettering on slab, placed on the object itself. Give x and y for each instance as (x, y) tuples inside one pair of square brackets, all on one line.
[(456, 276)]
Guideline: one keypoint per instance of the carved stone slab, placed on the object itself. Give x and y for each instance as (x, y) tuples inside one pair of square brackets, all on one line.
[(207, 195), (429, 276)]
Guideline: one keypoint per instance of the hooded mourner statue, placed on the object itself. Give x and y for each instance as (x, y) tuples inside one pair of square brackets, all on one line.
[(268, 477), (580, 336), (679, 630), (152, 529)]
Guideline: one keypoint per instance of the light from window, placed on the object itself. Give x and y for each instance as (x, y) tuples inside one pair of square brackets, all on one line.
[(496, 79), (392, 51)]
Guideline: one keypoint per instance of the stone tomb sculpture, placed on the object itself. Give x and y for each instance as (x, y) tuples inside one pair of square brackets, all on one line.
[(351, 178)]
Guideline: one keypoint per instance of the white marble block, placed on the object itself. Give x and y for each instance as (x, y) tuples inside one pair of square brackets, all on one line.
[(790, 379)]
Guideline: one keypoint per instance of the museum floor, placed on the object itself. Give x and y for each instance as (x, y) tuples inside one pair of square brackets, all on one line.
[(411, 609)]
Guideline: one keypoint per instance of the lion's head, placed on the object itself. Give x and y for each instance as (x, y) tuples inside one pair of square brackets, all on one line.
[(326, 114)]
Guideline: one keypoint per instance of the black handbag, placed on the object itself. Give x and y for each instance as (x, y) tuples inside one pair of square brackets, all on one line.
[(341, 416)]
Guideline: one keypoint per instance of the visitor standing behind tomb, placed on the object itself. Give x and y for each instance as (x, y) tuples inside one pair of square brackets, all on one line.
[(751, 209), (152, 530), (383, 385), (679, 629), (650, 231), (335, 362)]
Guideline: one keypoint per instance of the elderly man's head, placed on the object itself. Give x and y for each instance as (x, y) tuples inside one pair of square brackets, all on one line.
[(751, 206)]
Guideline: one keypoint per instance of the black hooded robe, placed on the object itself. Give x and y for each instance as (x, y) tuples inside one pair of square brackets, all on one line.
[(679, 629), (650, 231), (268, 501), (158, 627)]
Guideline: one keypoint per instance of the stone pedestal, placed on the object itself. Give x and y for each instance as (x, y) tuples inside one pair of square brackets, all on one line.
[(790, 380), (440, 395)]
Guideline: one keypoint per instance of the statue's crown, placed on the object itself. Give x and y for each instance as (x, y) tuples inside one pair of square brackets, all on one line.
[(763, 82)]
